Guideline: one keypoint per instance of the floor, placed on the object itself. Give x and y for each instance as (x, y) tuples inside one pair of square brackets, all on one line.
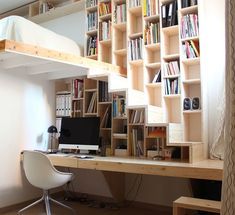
[(89, 209)]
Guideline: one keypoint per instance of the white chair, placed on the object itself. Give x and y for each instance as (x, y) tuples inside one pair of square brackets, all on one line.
[(42, 174)]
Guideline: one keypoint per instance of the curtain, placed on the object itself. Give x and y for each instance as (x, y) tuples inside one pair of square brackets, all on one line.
[(228, 188)]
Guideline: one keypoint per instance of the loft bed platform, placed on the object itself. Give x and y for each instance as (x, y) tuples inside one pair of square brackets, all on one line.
[(50, 64)]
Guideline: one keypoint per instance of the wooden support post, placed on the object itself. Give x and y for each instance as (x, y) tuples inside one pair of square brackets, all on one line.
[(116, 183)]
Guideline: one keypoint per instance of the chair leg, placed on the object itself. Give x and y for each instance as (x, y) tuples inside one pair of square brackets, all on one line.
[(63, 205), (31, 205), (46, 201)]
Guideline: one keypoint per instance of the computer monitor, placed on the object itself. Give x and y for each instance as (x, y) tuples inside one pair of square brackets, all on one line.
[(80, 133)]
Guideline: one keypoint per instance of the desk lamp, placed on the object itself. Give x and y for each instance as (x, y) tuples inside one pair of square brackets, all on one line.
[(51, 130)]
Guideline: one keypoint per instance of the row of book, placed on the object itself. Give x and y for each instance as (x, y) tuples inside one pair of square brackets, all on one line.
[(63, 104), (137, 116), (191, 49), (171, 68), (92, 107), (106, 119), (157, 77), (105, 28), (92, 46), (77, 88), (189, 26), (172, 86), (119, 107), (77, 108), (134, 3), (151, 33), (188, 3), (169, 14), (137, 139), (120, 13), (150, 7), (104, 95), (105, 8), (44, 7), (92, 23), (135, 49), (91, 3)]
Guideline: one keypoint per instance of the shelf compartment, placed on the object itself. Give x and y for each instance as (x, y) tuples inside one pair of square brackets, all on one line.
[(192, 90), (173, 108), (191, 61), (153, 56), (170, 41), (136, 76), (191, 71), (105, 54), (135, 18), (120, 39), (154, 94), (192, 127)]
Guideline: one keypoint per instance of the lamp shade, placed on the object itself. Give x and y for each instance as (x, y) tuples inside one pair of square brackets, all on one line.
[(52, 129)]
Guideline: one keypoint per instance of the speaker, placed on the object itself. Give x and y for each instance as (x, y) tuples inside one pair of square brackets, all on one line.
[(187, 104), (195, 103)]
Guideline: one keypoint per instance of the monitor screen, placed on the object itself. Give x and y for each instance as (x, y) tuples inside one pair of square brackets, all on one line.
[(79, 133)]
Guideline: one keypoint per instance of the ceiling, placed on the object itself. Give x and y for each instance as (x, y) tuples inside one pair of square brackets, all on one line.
[(6, 5)]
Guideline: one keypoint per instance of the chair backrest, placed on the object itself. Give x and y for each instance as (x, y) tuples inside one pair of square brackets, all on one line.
[(41, 173)]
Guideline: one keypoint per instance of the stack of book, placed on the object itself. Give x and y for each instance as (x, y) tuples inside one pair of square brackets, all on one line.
[(91, 3), (93, 103), (137, 142), (137, 116), (63, 103), (134, 3), (105, 30), (171, 68), (104, 8), (191, 49), (150, 7), (135, 48), (188, 3), (119, 106), (189, 26), (172, 86), (91, 46), (77, 88), (151, 33), (169, 14), (104, 95), (157, 77), (92, 23), (120, 13)]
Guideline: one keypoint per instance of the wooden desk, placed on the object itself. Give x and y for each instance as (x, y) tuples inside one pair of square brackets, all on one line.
[(114, 168)]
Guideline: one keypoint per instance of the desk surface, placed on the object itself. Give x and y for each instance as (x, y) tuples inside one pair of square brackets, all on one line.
[(206, 169)]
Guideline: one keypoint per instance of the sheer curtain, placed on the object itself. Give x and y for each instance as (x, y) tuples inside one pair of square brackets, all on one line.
[(228, 188)]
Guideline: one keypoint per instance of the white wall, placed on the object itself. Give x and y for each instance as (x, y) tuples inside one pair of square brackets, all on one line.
[(25, 114)]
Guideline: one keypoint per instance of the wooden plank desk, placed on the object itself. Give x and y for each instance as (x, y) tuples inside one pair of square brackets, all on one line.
[(114, 169)]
